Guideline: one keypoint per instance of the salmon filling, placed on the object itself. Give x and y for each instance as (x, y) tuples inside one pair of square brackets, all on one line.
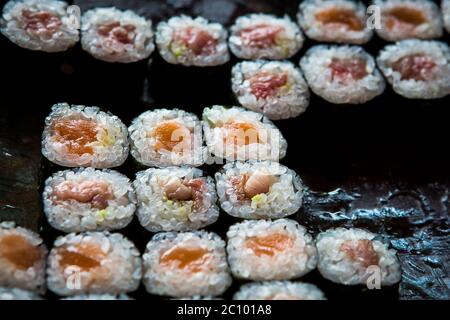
[(169, 134), (76, 134), (343, 70), (18, 251), (340, 17), (415, 67), (187, 190), (41, 22), (240, 133), (403, 17), (191, 259), (116, 33), (97, 193), (261, 35), (196, 40), (247, 186), (83, 256), (269, 245), (265, 84), (360, 251)]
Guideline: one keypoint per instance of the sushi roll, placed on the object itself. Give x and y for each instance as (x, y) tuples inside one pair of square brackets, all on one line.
[(270, 250), (264, 36), (113, 35), (445, 5), (238, 134), (342, 74), (8, 294), (279, 290), (98, 297), (342, 21), (175, 199), (276, 89), (22, 258), (79, 136), (186, 264), (404, 19), (93, 263), (162, 137), (346, 255), (417, 69), (192, 42), (43, 25), (259, 190), (86, 199)]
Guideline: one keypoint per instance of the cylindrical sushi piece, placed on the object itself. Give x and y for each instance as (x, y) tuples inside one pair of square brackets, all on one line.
[(270, 250), (417, 69), (445, 6), (163, 137), (342, 21), (275, 88), (264, 36), (17, 294), (98, 297), (259, 190), (113, 35), (186, 264), (22, 258), (192, 42), (351, 256), (235, 133), (80, 136), (342, 74), (175, 199), (93, 263), (86, 199), (44, 25), (279, 290), (404, 19)]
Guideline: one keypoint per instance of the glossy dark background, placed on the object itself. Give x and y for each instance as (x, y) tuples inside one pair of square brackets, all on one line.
[(382, 166)]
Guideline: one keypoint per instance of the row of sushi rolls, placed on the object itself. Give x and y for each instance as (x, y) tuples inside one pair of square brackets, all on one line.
[(90, 201)]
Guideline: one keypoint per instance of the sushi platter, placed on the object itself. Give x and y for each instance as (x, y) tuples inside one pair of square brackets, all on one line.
[(225, 149)]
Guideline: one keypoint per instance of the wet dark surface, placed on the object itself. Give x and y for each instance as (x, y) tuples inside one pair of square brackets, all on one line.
[(383, 166)]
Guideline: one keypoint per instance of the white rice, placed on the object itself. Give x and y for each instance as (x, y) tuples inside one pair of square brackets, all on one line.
[(21, 274), (138, 44), (99, 297), (157, 211), (110, 149), (436, 87), (17, 294), (174, 51), (71, 215), (288, 41), (445, 5), (315, 65), (293, 260), (431, 28), (279, 290), (337, 266), (288, 101), (144, 146), (118, 271), (211, 278), (283, 198), (265, 141), (58, 38), (334, 31)]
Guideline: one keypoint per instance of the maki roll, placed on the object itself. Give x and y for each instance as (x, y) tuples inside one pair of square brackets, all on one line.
[(98, 297), (88, 200), (163, 137), (79, 136), (93, 263), (263, 36), (259, 190), (113, 35), (445, 5), (175, 199), (43, 25), (279, 290), (186, 264), (8, 294), (192, 42), (417, 69), (403, 19), (342, 74), (22, 258), (347, 255), (276, 89), (342, 21), (270, 250), (238, 134)]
